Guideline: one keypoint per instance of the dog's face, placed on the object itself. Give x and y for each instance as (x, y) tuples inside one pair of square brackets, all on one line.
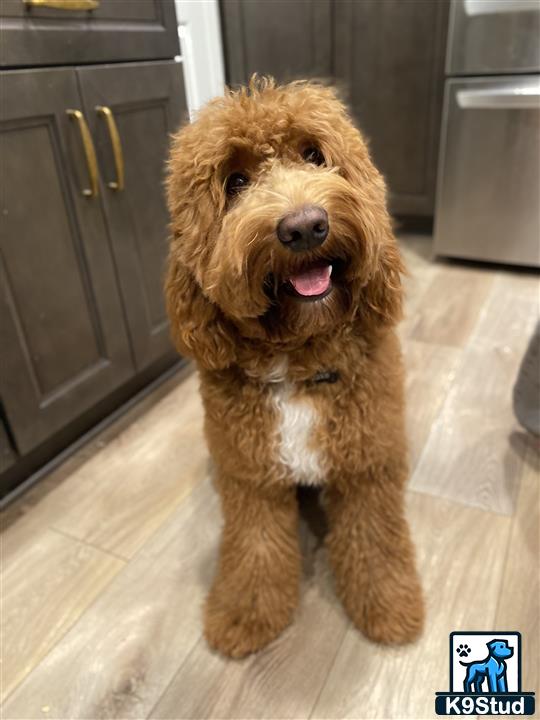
[(280, 230)]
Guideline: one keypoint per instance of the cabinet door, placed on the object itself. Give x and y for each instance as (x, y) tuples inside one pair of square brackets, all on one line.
[(390, 55), (62, 333), (147, 102), (109, 30), (289, 39)]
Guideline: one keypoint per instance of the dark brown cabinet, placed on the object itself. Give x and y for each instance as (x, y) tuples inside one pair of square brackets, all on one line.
[(83, 235), (64, 344), (7, 456), (386, 55), (45, 32), (390, 56), (287, 38)]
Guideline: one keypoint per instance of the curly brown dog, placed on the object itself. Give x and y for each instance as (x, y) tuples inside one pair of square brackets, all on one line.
[(284, 284)]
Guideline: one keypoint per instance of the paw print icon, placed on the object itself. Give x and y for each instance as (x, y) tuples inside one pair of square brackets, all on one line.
[(463, 650)]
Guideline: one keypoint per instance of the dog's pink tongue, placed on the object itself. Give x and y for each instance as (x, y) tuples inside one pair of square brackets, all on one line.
[(312, 282)]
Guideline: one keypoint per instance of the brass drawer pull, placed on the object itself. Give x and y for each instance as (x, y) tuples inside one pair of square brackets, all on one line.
[(64, 4), (106, 112), (89, 152)]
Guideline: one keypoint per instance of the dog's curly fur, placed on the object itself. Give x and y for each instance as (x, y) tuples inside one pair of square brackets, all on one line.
[(258, 350)]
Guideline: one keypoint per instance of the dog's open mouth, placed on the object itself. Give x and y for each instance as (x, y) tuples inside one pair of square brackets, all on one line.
[(311, 283), (308, 282)]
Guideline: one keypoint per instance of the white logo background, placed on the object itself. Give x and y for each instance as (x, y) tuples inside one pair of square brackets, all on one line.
[(479, 651)]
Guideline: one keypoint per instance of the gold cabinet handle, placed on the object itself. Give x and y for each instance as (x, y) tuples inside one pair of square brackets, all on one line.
[(64, 4), (89, 152), (106, 112)]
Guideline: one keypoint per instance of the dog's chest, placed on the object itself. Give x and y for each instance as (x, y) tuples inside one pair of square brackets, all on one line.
[(297, 419)]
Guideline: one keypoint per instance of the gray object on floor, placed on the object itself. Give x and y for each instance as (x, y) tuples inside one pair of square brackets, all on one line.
[(527, 386)]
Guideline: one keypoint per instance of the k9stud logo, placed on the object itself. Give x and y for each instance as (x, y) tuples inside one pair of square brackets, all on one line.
[(485, 676)]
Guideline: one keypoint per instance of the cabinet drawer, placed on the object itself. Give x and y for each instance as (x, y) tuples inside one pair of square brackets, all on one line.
[(493, 36), (35, 34)]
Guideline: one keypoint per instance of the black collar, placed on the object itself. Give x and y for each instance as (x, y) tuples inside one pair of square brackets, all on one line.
[(324, 376)]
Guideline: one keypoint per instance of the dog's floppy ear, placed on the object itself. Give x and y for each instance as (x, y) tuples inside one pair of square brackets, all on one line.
[(198, 327), (383, 293), (381, 301)]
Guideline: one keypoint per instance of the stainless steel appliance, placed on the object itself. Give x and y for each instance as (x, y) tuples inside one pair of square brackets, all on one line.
[(488, 194)]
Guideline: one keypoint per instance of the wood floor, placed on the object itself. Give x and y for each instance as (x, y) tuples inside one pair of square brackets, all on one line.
[(106, 562)]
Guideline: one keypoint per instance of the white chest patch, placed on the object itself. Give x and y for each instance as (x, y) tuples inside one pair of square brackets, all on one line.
[(297, 419)]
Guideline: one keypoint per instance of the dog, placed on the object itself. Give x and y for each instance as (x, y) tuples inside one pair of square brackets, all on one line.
[(283, 283), (493, 668)]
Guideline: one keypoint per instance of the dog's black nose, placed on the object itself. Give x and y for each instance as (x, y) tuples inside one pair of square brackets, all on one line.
[(303, 229)]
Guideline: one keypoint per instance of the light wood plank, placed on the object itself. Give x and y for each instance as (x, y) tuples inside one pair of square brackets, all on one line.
[(416, 251), (430, 367), (119, 658), (450, 307), (127, 491), (430, 374), (45, 590), (460, 552), (519, 602), (468, 456), (123, 493)]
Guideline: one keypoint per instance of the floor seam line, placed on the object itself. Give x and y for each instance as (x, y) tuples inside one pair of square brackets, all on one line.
[(331, 667), (89, 544)]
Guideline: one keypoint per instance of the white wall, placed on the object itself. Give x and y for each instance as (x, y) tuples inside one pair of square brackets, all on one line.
[(199, 30)]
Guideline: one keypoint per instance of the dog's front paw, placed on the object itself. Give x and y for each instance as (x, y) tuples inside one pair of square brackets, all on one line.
[(236, 630), (395, 615)]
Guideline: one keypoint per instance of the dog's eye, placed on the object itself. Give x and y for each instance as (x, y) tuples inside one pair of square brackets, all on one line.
[(236, 183), (313, 155)]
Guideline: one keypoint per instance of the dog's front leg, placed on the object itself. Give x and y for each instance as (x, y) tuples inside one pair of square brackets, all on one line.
[(373, 557), (492, 679), (256, 588)]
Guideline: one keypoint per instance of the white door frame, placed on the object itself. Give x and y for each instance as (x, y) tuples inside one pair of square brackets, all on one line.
[(199, 30)]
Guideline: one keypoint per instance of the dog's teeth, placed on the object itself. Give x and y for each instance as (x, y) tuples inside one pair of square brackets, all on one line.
[(330, 268)]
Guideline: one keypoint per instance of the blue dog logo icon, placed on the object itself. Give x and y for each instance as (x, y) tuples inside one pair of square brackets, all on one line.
[(493, 669), (485, 676)]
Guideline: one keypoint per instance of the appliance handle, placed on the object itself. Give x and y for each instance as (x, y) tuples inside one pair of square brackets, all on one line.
[(497, 7), (519, 97)]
